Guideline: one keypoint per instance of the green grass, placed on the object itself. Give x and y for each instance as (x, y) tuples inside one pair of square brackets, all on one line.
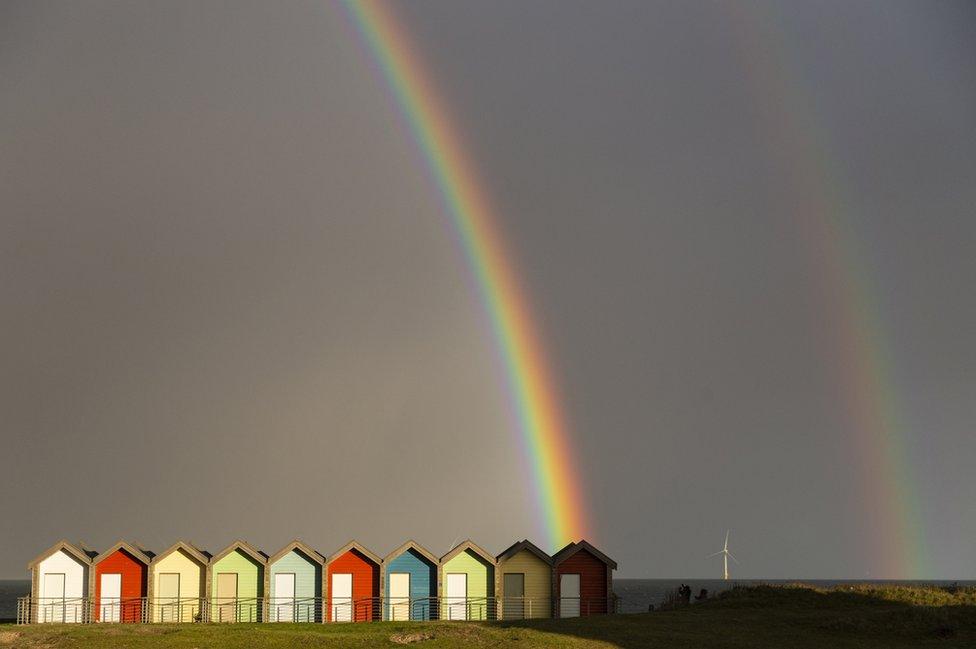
[(761, 616)]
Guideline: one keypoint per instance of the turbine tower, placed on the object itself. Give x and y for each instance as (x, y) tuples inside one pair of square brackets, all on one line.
[(725, 557)]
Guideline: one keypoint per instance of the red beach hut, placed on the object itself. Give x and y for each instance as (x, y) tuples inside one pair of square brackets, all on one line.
[(582, 580), (119, 583), (353, 585)]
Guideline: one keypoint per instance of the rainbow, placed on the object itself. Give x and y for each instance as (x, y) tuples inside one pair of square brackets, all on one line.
[(826, 216), (542, 426)]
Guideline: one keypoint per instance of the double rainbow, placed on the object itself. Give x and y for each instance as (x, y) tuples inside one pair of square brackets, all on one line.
[(541, 423), (826, 215)]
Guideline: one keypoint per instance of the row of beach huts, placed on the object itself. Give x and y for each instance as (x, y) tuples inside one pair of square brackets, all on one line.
[(127, 583)]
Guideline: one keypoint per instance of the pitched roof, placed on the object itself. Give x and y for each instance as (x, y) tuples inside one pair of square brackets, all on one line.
[(359, 547), (573, 548), (296, 544), (83, 555), (244, 547), (200, 555), (412, 545), (469, 545), (526, 545), (140, 554)]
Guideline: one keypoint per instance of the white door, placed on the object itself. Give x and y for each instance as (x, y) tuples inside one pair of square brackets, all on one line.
[(341, 595), (400, 596), (457, 596), (52, 604), (283, 609), (111, 602), (569, 595)]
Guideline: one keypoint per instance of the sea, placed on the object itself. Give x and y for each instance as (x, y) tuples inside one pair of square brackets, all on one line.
[(636, 595)]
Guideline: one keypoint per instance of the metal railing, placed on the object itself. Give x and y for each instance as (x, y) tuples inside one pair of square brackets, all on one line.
[(170, 610)]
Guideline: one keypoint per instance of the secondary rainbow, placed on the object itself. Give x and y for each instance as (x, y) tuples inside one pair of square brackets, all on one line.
[(542, 425), (826, 215)]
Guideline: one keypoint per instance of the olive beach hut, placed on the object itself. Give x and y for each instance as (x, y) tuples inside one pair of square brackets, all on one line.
[(353, 585), (59, 584), (524, 582), (120, 584), (237, 584), (467, 583), (178, 583), (582, 581), (410, 583), (294, 584)]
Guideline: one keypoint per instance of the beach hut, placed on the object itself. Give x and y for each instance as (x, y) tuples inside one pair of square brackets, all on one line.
[(119, 584), (353, 585), (524, 582), (178, 583), (294, 584), (237, 584), (582, 581), (410, 583), (467, 583), (59, 584)]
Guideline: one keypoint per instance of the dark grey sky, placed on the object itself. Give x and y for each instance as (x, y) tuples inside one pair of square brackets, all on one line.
[(230, 305)]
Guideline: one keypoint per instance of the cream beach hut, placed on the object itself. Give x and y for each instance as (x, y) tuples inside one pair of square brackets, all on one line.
[(178, 583), (524, 582)]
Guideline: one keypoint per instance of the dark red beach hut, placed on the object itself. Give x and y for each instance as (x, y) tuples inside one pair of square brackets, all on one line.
[(582, 580), (353, 585), (120, 582)]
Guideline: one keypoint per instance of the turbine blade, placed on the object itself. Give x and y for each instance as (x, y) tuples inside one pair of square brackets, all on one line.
[(731, 555), (715, 554)]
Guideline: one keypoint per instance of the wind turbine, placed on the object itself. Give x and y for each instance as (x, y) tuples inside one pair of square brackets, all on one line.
[(725, 556)]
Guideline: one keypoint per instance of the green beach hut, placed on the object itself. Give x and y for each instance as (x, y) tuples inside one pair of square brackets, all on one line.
[(237, 584), (467, 583), (294, 584)]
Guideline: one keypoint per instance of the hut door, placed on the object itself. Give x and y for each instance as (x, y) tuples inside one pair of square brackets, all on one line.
[(457, 596), (169, 597), (111, 597), (227, 597), (284, 590), (514, 602), (52, 604), (342, 597), (569, 595), (400, 596)]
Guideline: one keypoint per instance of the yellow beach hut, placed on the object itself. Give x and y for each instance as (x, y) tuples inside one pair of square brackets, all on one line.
[(178, 583), (524, 582)]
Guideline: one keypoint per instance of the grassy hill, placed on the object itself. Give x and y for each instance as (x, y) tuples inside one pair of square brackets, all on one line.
[(762, 616)]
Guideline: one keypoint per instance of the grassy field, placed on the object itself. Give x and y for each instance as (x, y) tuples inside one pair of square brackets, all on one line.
[(763, 616)]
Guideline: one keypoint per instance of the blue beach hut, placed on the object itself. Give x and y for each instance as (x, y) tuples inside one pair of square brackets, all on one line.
[(410, 583)]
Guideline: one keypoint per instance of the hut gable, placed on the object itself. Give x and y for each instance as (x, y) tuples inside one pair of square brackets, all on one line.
[(77, 551), (201, 556), (527, 546), (296, 544), (245, 548), (412, 545), (473, 547)]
